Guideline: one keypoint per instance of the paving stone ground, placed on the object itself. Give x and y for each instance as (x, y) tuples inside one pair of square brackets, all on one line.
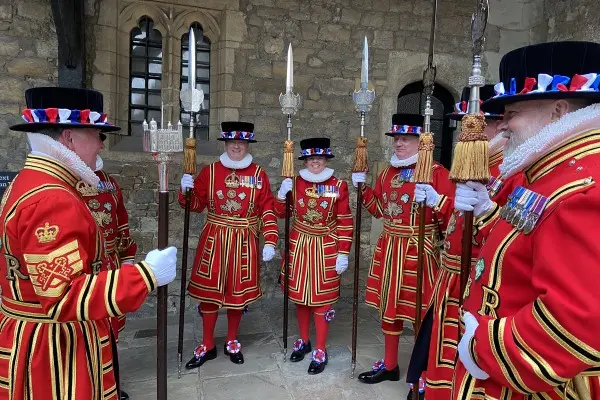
[(264, 375)]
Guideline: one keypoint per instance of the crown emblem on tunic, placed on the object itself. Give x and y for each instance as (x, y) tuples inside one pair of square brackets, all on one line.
[(46, 233), (86, 189), (232, 180)]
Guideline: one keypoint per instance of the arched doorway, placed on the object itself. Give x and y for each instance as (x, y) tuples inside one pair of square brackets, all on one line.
[(412, 100)]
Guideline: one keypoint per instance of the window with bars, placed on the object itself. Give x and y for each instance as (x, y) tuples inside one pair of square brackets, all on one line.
[(201, 122), (412, 100), (145, 71)]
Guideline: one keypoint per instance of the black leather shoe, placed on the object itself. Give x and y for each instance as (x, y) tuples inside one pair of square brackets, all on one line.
[(316, 366), (236, 358), (380, 376), (124, 395), (197, 361), (410, 395), (298, 355)]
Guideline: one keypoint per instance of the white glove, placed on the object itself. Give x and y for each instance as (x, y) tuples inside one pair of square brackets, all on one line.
[(341, 263), (426, 193), (472, 196), (187, 182), (163, 263), (471, 325), (358, 177), (286, 186), (268, 252)]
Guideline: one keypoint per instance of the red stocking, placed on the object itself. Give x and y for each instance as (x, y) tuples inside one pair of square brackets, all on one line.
[(303, 317), (321, 326), (391, 333), (233, 323), (210, 312)]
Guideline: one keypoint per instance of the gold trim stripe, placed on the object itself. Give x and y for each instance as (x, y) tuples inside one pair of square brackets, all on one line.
[(571, 149), (147, 275), (496, 337), (560, 335), (51, 167), (537, 363)]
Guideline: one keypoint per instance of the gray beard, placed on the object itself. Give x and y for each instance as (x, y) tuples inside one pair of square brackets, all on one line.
[(518, 138)]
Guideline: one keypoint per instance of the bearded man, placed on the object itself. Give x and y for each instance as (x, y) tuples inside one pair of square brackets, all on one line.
[(531, 308)]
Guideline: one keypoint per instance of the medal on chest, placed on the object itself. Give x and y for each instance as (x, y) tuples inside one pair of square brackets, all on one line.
[(235, 181), (317, 191), (494, 185), (524, 209), (234, 197), (400, 178), (318, 199)]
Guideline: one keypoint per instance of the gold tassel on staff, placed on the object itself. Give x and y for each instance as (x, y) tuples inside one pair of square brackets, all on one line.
[(189, 156), (361, 156), (287, 170), (424, 167), (471, 162)]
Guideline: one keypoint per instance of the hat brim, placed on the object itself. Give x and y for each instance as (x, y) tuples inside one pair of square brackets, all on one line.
[(35, 126), (242, 140), (496, 104), (459, 117), (392, 134), (316, 155)]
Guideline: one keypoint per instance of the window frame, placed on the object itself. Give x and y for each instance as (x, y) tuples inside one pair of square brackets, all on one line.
[(148, 44)]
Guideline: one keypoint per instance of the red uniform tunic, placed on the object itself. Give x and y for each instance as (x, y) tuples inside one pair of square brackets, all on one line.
[(108, 209), (322, 228), (446, 292), (57, 293), (534, 292), (392, 276), (240, 206)]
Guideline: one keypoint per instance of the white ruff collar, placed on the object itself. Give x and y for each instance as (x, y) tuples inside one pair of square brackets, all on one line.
[(99, 163), (316, 178), (398, 163), (42, 145), (550, 137), (229, 163)]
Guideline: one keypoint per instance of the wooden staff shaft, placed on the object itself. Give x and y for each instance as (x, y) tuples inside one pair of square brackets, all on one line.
[(356, 271), (161, 319), (465, 258), (419, 288), (189, 167), (420, 267), (286, 279), (184, 261)]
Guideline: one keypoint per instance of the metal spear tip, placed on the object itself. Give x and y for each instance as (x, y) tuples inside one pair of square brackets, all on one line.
[(289, 77), (192, 59), (364, 70), (478, 25)]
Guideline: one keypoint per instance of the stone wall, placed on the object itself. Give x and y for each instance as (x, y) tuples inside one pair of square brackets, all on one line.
[(572, 20), (249, 40), (28, 58), (512, 24)]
